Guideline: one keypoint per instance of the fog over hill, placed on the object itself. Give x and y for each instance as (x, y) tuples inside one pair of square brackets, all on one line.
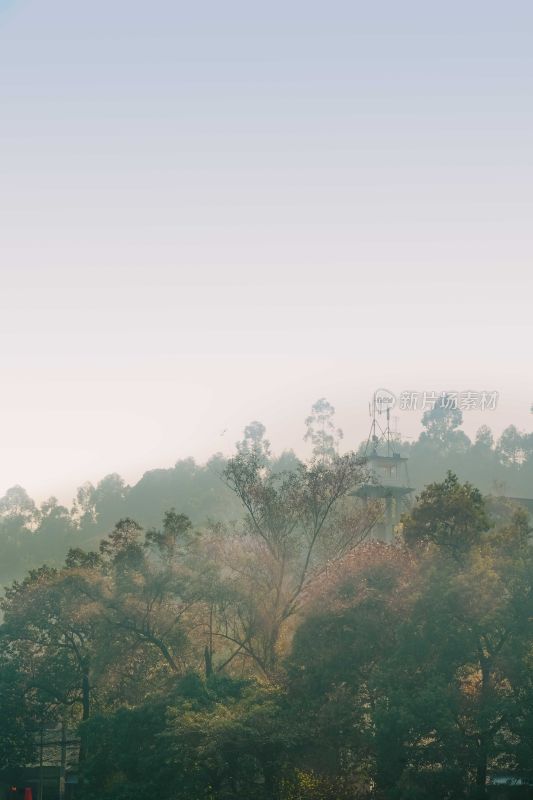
[(31, 533)]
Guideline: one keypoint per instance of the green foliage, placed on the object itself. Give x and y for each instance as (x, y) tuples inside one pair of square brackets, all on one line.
[(421, 669), (16, 736), (216, 740), (450, 515), (285, 657), (296, 522), (442, 423), (30, 534)]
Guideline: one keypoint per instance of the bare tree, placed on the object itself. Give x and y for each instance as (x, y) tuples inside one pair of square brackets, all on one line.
[(297, 523)]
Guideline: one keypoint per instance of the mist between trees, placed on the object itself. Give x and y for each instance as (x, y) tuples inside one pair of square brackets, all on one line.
[(233, 630), (31, 534)]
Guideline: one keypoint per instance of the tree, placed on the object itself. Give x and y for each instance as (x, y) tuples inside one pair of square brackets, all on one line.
[(16, 734), (84, 506), (484, 438), (174, 539), (296, 523), (321, 430), (17, 505), (443, 420), (512, 446), (149, 602), (51, 628), (254, 441), (419, 668), (449, 514), (217, 739), (351, 629)]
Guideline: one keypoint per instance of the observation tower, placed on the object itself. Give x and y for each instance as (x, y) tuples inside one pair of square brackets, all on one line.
[(388, 475)]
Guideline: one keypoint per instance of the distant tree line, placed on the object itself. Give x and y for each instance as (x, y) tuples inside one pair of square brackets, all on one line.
[(31, 534)]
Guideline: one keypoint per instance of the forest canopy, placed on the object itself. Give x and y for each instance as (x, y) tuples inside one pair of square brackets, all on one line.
[(32, 533), (257, 639)]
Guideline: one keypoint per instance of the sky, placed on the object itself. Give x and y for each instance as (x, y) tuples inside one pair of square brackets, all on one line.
[(217, 212)]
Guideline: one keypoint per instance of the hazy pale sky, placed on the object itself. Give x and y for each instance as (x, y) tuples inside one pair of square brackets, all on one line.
[(215, 212)]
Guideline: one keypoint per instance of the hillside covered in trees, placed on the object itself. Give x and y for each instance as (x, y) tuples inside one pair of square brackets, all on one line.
[(257, 641), (31, 534)]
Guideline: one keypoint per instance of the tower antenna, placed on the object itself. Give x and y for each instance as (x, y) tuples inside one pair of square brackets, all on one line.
[(388, 479)]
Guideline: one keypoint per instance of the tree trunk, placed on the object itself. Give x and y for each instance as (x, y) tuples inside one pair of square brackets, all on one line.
[(63, 763), (86, 710), (481, 770), (41, 766), (483, 751), (208, 659)]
